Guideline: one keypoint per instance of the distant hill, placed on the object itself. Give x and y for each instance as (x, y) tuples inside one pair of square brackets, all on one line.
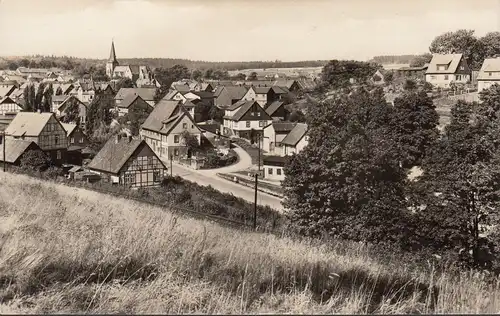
[(393, 59)]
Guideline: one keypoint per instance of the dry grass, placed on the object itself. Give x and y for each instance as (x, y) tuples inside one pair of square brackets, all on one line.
[(69, 250)]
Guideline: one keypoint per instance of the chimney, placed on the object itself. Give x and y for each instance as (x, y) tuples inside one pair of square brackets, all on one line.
[(129, 138), (118, 138)]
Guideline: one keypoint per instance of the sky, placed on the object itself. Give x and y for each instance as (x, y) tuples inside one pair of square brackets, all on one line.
[(236, 30)]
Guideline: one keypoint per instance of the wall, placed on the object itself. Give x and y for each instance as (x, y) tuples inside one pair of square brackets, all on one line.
[(275, 170), (143, 169), (444, 81), (482, 85), (10, 108)]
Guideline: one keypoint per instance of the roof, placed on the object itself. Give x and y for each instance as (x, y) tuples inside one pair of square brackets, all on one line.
[(274, 160), (204, 94), (211, 127), (147, 94), (280, 90), (7, 100), (68, 99), (163, 110), (129, 99), (181, 87), (295, 134), (452, 60), (28, 123), (234, 91), (14, 148), (60, 98), (489, 65), (5, 90), (69, 128), (261, 90), (284, 83), (113, 156), (283, 127), (273, 107), (243, 109), (236, 105)]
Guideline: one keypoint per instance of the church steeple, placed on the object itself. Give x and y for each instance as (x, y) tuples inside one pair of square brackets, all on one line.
[(112, 54), (112, 62)]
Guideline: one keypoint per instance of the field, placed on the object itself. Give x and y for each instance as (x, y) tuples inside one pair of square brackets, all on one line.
[(273, 71), (70, 250)]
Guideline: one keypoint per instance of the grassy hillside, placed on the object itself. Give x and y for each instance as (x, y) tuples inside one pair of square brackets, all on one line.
[(70, 250)]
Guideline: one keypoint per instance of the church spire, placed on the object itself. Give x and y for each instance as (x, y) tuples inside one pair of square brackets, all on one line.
[(112, 54)]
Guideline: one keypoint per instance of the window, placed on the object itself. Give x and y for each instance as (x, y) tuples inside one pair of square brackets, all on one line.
[(129, 178), (248, 124), (252, 113), (490, 74), (156, 176), (306, 138), (258, 113), (150, 161), (192, 125), (56, 140), (72, 140), (433, 77), (184, 125), (58, 155), (261, 123), (176, 152), (278, 171), (445, 77), (176, 139), (462, 67), (80, 140), (270, 171)]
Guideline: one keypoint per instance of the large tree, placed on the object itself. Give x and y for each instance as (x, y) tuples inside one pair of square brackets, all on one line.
[(421, 60), (39, 97), (341, 73), (47, 98), (491, 44), (347, 182), (71, 113), (135, 117), (414, 126), (460, 42), (29, 98), (464, 168)]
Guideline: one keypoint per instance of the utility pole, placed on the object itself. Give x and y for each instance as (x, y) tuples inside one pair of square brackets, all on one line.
[(258, 146), (255, 203), (171, 158), (3, 145)]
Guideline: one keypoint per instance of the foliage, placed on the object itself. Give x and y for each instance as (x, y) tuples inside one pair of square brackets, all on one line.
[(124, 83), (421, 60), (410, 85), (216, 74), (160, 93), (136, 116), (166, 76), (338, 74), (216, 114), (190, 141), (490, 44), (460, 42), (239, 76), (347, 182), (414, 125), (196, 74), (216, 160), (59, 91), (47, 98), (71, 113), (464, 169), (99, 112), (297, 116), (38, 105), (35, 160), (29, 98), (252, 76)]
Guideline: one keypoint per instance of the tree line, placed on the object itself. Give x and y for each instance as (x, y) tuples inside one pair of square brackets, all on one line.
[(353, 179)]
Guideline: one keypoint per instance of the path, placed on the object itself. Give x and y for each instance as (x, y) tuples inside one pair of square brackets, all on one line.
[(209, 177)]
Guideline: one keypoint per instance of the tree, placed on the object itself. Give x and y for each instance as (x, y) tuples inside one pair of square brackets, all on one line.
[(196, 75), (220, 74), (347, 182), (47, 98), (99, 112), (253, 76), (491, 44), (39, 97), (240, 76), (208, 74), (339, 73), (13, 65), (24, 63), (297, 116), (421, 60), (410, 85), (216, 114), (460, 42), (190, 141), (464, 169), (71, 113), (166, 76), (29, 98), (124, 83), (59, 91), (414, 126), (135, 117), (160, 93), (35, 160)]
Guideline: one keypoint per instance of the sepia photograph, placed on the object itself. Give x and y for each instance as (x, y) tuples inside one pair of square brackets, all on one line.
[(249, 157)]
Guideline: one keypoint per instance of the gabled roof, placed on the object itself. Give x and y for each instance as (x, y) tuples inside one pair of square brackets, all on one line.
[(28, 123), (130, 99), (69, 128), (233, 91), (14, 148), (7, 100), (204, 94), (210, 127), (60, 98), (115, 154), (280, 90), (147, 94), (6, 90), (284, 83), (489, 65), (67, 100), (273, 107), (282, 127), (274, 160), (244, 109), (170, 123), (237, 105), (163, 110), (451, 60), (295, 134), (182, 87), (261, 90)]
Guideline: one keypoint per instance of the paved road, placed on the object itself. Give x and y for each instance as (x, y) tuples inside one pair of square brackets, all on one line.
[(208, 177)]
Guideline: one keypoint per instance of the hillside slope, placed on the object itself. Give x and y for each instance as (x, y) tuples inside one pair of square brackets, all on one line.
[(71, 250)]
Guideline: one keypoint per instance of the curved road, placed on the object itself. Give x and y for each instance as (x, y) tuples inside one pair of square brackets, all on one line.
[(209, 177)]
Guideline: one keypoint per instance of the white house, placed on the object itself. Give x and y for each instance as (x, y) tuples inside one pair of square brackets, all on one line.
[(274, 134), (489, 74), (243, 117), (447, 68), (296, 140), (7, 106), (273, 168)]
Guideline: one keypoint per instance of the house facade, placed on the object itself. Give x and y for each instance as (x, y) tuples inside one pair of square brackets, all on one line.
[(165, 127), (225, 96), (15, 150), (77, 141), (262, 95), (273, 167), (129, 162), (273, 135), (447, 68), (8, 106), (132, 101), (489, 74), (243, 118), (296, 140), (43, 129), (147, 94)]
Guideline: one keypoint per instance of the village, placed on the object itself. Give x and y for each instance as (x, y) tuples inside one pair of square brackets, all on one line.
[(251, 133)]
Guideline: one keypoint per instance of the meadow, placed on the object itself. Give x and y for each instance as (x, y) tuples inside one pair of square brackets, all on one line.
[(70, 250)]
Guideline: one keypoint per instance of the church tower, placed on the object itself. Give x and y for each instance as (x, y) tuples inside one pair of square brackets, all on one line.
[(112, 62)]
